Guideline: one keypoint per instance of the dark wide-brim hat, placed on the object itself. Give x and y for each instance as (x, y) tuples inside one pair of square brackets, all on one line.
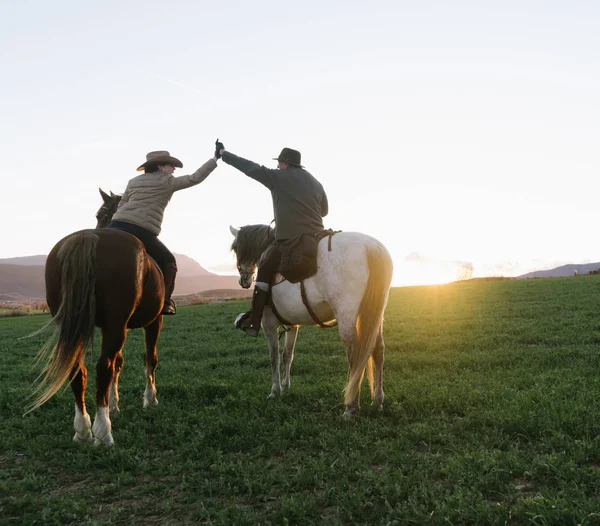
[(160, 157), (290, 156)]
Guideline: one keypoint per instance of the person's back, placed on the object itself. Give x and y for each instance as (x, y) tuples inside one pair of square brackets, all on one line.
[(299, 205), (142, 207)]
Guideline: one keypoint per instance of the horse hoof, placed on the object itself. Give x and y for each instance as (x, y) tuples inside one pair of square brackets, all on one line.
[(349, 413), (273, 396), (149, 403), (106, 441), (86, 439)]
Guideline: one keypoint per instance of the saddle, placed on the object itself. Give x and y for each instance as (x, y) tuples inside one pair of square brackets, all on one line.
[(299, 262), (299, 255)]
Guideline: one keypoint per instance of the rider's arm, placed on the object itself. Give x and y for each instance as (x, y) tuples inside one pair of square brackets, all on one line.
[(262, 174), (185, 181)]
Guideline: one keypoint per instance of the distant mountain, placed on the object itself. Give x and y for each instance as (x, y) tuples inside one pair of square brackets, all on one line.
[(23, 278), (186, 265), (26, 260), (563, 271), (22, 281)]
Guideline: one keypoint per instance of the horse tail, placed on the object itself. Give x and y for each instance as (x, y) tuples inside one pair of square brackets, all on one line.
[(75, 318), (369, 319)]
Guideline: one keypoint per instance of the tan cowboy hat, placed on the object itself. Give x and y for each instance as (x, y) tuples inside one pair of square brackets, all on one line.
[(160, 157)]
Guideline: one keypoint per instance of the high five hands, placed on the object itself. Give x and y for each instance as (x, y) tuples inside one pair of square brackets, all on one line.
[(219, 149)]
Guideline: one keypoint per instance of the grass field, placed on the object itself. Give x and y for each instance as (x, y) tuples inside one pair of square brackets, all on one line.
[(492, 416)]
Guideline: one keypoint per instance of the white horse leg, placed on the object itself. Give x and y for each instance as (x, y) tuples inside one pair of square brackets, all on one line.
[(102, 427), (288, 356), (83, 426), (378, 353), (113, 403), (81, 422), (151, 361), (269, 325), (347, 329)]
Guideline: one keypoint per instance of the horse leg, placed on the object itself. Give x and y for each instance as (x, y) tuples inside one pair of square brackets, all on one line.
[(347, 330), (378, 352), (288, 356), (113, 340), (152, 332), (270, 324), (114, 386), (81, 423)]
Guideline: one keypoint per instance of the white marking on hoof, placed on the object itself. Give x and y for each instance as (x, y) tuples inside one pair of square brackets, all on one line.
[(150, 398), (102, 428), (83, 427)]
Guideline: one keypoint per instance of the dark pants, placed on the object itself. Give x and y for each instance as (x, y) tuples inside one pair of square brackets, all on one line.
[(269, 266), (159, 252)]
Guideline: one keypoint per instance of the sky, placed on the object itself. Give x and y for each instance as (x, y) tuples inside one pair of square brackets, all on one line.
[(464, 135)]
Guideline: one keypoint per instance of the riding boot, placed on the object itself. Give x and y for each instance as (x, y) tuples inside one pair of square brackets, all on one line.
[(170, 271), (249, 322)]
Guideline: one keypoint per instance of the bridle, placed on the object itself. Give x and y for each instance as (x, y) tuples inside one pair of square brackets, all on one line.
[(245, 275)]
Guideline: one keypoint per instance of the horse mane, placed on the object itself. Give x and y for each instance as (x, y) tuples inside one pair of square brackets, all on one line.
[(251, 241)]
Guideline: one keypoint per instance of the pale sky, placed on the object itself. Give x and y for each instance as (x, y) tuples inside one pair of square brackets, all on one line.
[(458, 133)]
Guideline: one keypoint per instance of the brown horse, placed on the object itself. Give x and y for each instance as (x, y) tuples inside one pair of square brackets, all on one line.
[(99, 278)]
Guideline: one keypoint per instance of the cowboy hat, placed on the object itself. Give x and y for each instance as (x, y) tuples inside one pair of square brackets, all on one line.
[(160, 157), (290, 156)]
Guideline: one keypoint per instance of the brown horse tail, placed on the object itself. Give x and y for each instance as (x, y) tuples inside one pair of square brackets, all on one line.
[(75, 318), (369, 319)]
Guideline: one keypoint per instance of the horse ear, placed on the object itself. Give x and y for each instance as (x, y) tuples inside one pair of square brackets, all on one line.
[(233, 230), (104, 195), (113, 195)]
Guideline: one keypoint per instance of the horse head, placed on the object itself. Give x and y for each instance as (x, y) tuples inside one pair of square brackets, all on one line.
[(249, 245), (108, 208)]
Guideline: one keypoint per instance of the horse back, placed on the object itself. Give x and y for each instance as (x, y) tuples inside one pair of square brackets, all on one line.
[(339, 284), (129, 287)]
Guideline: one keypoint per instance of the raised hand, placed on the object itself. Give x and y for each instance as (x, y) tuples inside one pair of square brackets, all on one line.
[(218, 147)]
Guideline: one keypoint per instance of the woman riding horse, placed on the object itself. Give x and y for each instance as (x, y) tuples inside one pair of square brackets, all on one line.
[(143, 204), (299, 205)]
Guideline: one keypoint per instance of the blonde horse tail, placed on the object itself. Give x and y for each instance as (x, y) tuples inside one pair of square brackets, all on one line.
[(369, 320), (75, 318)]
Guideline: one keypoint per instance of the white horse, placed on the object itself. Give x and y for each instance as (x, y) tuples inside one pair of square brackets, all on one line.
[(351, 286)]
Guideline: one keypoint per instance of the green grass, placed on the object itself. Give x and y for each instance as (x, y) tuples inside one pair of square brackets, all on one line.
[(492, 416)]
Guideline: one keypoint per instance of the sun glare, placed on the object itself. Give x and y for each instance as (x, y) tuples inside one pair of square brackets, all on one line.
[(409, 274)]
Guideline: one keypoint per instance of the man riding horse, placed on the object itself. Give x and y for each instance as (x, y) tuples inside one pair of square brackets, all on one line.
[(299, 205)]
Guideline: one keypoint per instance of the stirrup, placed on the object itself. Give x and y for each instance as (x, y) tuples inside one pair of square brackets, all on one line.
[(241, 317), (169, 308), (243, 323)]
